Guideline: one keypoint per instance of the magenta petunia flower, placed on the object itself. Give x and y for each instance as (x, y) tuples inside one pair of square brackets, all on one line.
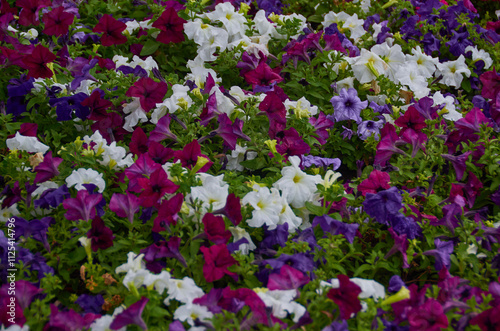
[(415, 138), (98, 106), (230, 131), (159, 153), (57, 22), (232, 209), (471, 123), (458, 163), (143, 166), (162, 130), (47, 168), (171, 26), (139, 142), (30, 11), (288, 278), (167, 212), (24, 293), (148, 91), (321, 124), (68, 320), (217, 261), (488, 320), (189, 156), (131, 315), (400, 245), (263, 75), (100, 235), (37, 62), (275, 110), (429, 316), (291, 143), (125, 205), (215, 229), (491, 84), (387, 145), (411, 120), (235, 300), (82, 207), (155, 188), (377, 181), (346, 297), (111, 31)]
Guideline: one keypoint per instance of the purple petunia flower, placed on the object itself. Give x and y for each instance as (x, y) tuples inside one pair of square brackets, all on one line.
[(310, 160), (131, 315), (335, 227), (383, 204), (91, 303), (395, 284), (347, 106), (441, 253), (81, 207), (52, 197), (369, 128)]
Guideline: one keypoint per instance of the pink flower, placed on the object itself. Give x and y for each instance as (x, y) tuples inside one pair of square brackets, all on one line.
[(217, 261), (346, 297), (148, 91)]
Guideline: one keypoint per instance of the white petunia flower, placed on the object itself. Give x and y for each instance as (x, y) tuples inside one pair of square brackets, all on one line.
[(6, 213), (266, 209), (355, 25), (190, 312), (213, 193), (281, 301), (104, 322), (302, 108), (232, 21), (452, 72), (27, 144), (426, 65), (183, 290), (237, 156), (392, 56), (332, 17), (449, 109), (480, 55), (148, 64), (369, 287), (136, 114), (297, 186), (85, 176), (412, 78), (135, 277), (134, 263), (160, 281), (286, 215), (240, 233), (367, 66)]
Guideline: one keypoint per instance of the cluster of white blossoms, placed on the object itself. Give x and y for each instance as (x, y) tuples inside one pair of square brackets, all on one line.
[(182, 290), (281, 302), (272, 207), (301, 108), (179, 99), (113, 156), (345, 21), (212, 193)]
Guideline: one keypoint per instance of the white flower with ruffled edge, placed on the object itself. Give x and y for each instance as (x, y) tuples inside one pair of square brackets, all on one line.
[(281, 301), (27, 144), (183, 290), (85, 176), (453, 72), (134, 263), (266, 209), (190, 312)]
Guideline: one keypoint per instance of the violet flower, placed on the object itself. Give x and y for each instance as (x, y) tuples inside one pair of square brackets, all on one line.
[(330, 225), (162, 130), (47, 168), (82, 207), (383, 204), (131, 315), (400, 245), (287, 279), (125, 205), (458, 163), (310, 160), (441, 253), (347, 106), (68, 320), (90, 303), (369, 128)]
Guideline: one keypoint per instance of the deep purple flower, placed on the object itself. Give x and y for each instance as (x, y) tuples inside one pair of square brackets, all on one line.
[(215, 229), (100, 235), (211, 300), (441, 253), (416, 139), (404, 225), (131, 315), (395, 284), (412, 119), (84, 74), (451, 216), (52, 197), (155, 187), (337, 326), (262, 75), (11, 195), (37, 229), (383, 204), (82, 207), (400, 245), (217, 261), (277, 236), (275, 110), (291, 143), (472, 122), (90, 303), (321, 124), (387, 145), (425, 107), (459, 42), (66, 107), (25, 292), (148, 91), (230, 131), (347, 106), (330, 225), (491, 84), (164, 249), (143, 166), (431, 43), (232, 209)]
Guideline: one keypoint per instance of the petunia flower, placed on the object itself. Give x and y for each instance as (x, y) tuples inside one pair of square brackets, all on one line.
[(291, 143), (125, 205), (441, 253), (57, 21), (217, 262), (192, 313), (281, 302), (30, 11), (400, 245), (163, 249), (68, 320), (377, 181), (37, 62), (24, 143), (167, 212), (215, 229), (263, 75), (85, 176), (491, 84), (36, 229), (458, 163), (411, 120), (148, 91), (155, 187), (189, 156), (143, 166), (90, 303), (82, 207), (100, 235), (347, 106), (183, 290), (387, 145), (47, 169), (162, 130), (131, 315), (346, 297), (171, 26), (230, 131), (288, 278), (429, 316), (111, 31)]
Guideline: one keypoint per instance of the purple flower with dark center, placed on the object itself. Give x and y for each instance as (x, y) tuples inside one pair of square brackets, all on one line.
[(431, 43), (131, 315), (90, 303), (291, 143), (425, 107), (429, 316), (100, 235), (369, 128), (383, 204), (404, 225), (11, 195), (347, 106), (441, 253), (408, 29), (330, 225), (451, 216), (459, 42), (288, 278), (164, 249)]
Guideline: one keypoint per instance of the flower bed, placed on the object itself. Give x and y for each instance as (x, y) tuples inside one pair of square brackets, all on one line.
[(249, 165)]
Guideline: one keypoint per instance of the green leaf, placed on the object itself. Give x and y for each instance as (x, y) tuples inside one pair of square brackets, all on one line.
[(362, 269), (316, 210), (150, 47)]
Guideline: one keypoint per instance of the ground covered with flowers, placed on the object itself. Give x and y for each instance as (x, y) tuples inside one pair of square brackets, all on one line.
[(239, 165)]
